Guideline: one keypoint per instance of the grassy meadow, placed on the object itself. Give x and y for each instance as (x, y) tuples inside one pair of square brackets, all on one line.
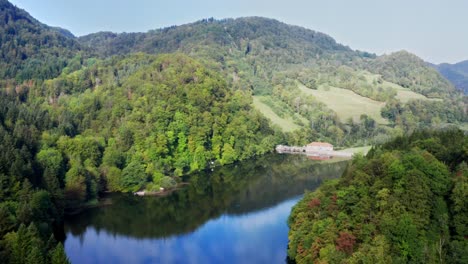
[(285, 123), (346, 103)]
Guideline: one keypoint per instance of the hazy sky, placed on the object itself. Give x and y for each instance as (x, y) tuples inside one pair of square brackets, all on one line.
[(435, 30)]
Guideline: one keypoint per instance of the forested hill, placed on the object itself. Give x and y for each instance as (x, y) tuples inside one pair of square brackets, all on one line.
[(30, 49), (248, 51), (406, 202), (456, 73), (249, 34), (299, 77), (123, 124), (257, 48)]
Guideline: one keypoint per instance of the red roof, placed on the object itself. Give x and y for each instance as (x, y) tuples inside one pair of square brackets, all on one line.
[(320, 144)]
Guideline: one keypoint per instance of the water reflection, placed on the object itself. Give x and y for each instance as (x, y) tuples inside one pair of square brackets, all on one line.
[(236, 214)]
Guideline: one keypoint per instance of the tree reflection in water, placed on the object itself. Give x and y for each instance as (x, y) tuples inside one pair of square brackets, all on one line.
[(243, 193)]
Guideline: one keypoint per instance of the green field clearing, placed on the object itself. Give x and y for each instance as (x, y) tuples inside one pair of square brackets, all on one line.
[(286, 124), (403, 94), (346, 103), (362, 150)]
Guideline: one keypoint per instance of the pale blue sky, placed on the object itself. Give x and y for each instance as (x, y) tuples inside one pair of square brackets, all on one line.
[(435, 30)]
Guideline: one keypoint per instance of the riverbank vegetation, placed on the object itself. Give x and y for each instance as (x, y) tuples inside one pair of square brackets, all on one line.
[(405, 202)]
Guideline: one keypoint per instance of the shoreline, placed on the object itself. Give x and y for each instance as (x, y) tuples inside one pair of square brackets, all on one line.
[(314, 153), (106, 201), (161, 193), (77, 210)]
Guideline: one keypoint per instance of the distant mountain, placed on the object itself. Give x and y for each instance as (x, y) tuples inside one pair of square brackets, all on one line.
[(248, 34), (456, 73), (30, 49), (249, 51), (256, 48)]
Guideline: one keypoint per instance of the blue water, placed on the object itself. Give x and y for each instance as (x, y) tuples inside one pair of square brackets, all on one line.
[(235, 214), (227, 239)]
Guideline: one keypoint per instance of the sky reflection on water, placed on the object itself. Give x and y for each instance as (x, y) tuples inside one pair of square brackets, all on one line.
[(227, 239), (236, 214)]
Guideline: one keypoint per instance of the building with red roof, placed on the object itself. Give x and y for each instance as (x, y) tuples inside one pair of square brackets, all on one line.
[(319, 146)]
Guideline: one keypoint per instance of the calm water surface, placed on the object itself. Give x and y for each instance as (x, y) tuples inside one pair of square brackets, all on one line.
[(235, 214)]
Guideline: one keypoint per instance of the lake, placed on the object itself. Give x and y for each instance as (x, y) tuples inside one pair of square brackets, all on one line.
[(234, 214)]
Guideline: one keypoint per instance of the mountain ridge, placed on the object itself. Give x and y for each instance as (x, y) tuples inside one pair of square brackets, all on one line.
[(235, 32)]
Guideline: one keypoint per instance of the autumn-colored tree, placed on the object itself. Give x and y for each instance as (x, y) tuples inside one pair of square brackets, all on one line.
[(345, 242)]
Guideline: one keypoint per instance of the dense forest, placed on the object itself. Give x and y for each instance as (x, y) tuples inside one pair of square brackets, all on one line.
[(135, 111), (31, 188), (405, 202)]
